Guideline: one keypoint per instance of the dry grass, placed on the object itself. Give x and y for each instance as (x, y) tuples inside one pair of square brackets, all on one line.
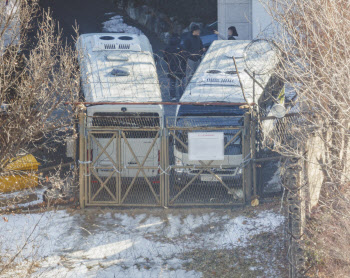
[(328, 235), (38, 75), (313, 40)]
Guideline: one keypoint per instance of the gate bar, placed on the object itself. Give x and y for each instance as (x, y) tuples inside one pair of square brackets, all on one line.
[(119, 159), (113, 129), (175, 167), (204, 128), (81, 157), (253, 151), (162, 163), (268, 158), (247, 170), (166, 165), (163, 103)]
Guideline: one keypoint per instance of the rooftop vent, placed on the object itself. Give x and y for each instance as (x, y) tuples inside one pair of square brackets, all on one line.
[(125, 38), (221, 80), (218, 77), (110, 46), (124, 46), (214, 71), (120, 72), (109, 42), (231, 72), (107, 38)]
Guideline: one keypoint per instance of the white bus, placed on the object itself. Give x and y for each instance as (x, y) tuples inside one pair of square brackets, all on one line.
[(119, 67), (216, 81)]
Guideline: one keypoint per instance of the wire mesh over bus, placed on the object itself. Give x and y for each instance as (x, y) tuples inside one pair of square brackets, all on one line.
[(205, 182), (124, 150), (276, 137)]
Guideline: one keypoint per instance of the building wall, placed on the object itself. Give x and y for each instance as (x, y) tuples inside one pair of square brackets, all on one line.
[(248, 16), (261, 18), (237, 13)]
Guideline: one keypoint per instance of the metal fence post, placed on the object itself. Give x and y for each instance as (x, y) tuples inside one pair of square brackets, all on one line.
[(253, 152), (165, 166), (120, 167), (162, 168), (247, 169), (81, 109)]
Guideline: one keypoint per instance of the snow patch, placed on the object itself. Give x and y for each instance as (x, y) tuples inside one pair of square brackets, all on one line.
[(121, 245), (116, 25)]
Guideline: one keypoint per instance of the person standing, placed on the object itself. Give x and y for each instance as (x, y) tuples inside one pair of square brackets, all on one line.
[(231, 33), (173, 56), (194, 49)]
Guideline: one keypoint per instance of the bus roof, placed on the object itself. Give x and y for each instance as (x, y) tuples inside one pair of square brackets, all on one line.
[(118, 68), (215, 79)]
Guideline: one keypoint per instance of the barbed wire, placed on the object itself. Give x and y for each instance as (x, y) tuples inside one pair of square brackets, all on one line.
[(261, 56)]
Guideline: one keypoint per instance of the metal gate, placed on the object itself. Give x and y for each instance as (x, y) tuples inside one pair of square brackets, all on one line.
[(122, 161), (203, 183), (143, 161), (272, 140)]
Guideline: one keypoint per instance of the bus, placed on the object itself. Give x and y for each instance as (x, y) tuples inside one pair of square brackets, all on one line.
[(216, 82), (120, 68)]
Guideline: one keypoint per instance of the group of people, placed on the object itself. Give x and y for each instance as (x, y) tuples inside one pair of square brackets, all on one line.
[(182, 61)]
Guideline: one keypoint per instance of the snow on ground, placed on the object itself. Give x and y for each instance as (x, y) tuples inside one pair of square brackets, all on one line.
[(117, 244), (116, 25)]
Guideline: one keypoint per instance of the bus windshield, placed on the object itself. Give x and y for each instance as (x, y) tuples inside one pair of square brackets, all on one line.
[(210, 110), (211, 116)]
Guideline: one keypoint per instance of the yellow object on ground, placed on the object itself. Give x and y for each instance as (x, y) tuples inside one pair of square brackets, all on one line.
[(255, 202), (24, 174)]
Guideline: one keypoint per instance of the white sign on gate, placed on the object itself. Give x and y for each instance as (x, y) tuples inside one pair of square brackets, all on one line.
[(206, 146)]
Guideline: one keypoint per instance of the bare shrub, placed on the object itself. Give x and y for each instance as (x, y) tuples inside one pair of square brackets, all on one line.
[(329, 235), (36, 90), (313, 39), (38, 76)]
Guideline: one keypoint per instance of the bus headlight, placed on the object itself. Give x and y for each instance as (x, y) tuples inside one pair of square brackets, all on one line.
[(178, 162)]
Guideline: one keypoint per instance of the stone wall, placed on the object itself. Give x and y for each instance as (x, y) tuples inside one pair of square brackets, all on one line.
[(313, 176), (304, 179)]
